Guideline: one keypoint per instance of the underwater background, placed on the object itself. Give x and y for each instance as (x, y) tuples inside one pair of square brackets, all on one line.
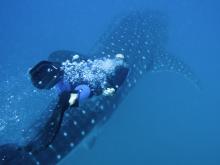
[(165, 120)]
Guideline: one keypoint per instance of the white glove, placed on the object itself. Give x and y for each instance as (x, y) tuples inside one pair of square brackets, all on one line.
[(73, 98)]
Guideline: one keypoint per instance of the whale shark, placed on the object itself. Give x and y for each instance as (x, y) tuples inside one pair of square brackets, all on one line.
[(141, 37)]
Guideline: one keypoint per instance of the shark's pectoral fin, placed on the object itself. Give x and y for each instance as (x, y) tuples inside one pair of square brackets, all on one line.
[(169, 63), (90, 142)]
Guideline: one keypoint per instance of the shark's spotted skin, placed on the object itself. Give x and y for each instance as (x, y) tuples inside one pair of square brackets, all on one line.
[(140, 37)]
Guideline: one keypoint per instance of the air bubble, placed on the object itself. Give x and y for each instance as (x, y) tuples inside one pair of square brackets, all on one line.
[(2, 124)]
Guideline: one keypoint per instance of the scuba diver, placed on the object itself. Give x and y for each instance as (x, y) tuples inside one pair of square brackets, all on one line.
[(77, 79), (81, 78)]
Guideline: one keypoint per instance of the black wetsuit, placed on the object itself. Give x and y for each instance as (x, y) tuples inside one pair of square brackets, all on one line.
[(48, 133)]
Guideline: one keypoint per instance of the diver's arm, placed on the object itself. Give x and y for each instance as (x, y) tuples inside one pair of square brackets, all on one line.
[(115, 81)]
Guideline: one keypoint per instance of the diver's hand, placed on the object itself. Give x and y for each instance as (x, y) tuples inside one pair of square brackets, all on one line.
[(109, 91), (73, 99)]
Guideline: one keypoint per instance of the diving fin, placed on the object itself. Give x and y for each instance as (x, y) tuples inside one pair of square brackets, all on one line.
[(48, 133), (46, 74), (9, 152)]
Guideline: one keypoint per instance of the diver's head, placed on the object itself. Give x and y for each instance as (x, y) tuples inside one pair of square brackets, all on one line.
[(46, 75)]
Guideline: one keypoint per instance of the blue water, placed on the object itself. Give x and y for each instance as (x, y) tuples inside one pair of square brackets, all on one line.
[(165, 120)]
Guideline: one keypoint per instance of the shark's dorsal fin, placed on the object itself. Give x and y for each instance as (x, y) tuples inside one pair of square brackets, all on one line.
[(165, 62)]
